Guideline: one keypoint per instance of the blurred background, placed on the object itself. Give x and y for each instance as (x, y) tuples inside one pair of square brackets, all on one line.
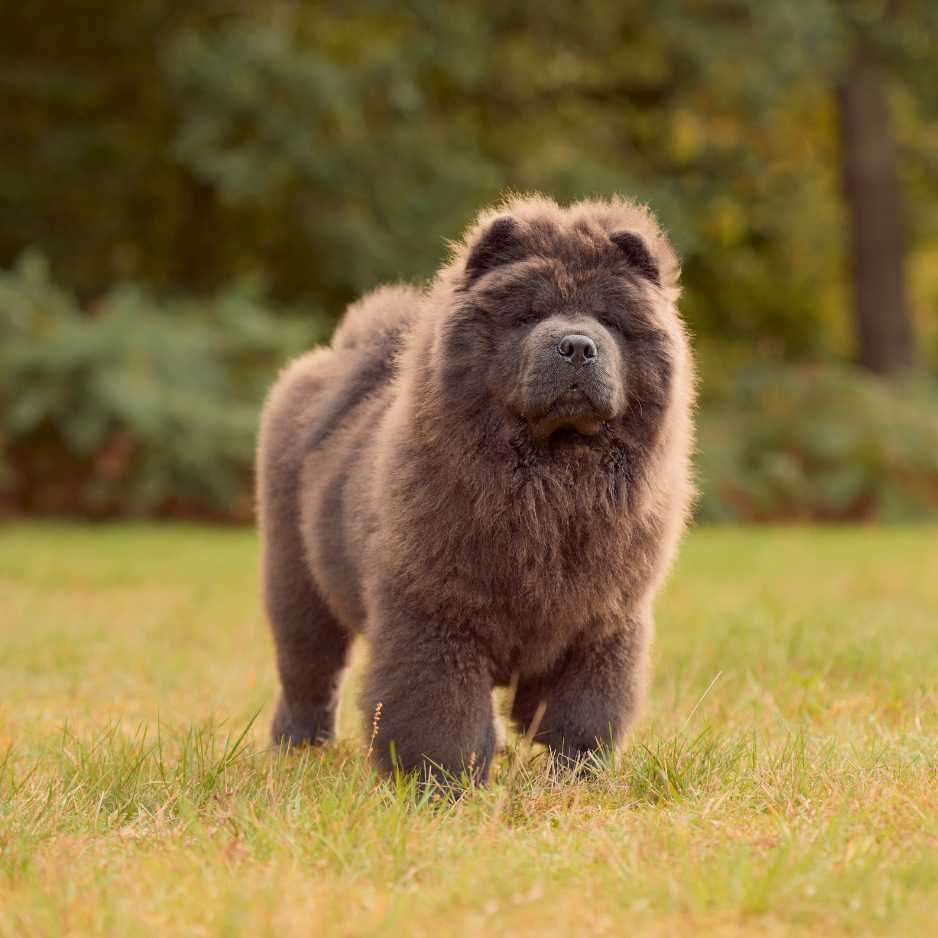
[(192, 190)]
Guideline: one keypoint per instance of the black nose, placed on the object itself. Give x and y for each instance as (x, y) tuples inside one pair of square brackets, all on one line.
[(577, 349)]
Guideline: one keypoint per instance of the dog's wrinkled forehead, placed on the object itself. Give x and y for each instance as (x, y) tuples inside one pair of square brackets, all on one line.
[(575, 249)]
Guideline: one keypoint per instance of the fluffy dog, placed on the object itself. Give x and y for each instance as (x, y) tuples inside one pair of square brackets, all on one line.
[(488, 478)]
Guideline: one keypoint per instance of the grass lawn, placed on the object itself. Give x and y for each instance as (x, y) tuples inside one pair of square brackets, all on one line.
[(797, 796)]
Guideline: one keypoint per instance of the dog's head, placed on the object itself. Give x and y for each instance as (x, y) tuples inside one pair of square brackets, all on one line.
[(562, 322)]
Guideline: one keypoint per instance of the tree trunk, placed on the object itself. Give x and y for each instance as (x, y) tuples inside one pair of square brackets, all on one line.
[(883, 328)]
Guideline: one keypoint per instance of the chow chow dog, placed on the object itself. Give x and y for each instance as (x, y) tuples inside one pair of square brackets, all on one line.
[(487, 478)]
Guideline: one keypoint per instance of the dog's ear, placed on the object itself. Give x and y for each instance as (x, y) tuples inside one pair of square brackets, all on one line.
[(500, 242), (638, 254)]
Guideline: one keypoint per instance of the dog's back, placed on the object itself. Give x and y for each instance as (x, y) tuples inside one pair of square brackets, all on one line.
[(315, 423)]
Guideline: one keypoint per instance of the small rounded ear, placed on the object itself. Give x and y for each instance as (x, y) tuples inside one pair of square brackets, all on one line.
[(638, 254), (500, 243)]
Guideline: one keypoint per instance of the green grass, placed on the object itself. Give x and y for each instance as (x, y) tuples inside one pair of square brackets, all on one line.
[(784, 779)]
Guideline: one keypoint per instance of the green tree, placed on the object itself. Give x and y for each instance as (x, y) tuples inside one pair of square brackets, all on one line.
[(324, 147), (883, 47)]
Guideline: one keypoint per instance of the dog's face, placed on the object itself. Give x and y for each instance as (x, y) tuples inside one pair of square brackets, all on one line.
[(561, 329)]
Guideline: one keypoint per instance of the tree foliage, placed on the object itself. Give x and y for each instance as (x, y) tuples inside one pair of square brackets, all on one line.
[(325, 147), (191, 170)]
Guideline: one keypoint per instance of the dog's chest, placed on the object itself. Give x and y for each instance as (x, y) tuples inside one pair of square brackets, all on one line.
[(545, 588)]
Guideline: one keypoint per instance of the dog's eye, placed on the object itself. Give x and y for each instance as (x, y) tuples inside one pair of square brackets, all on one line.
[(628, 325)]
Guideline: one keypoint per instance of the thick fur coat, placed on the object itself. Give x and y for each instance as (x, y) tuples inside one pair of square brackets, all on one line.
[(488, 478)]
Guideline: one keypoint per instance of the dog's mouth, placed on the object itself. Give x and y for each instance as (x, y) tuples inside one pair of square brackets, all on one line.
[(571, 418)]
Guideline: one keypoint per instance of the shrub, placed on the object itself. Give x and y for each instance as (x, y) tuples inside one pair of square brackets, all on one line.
[(135, 406), (145, 407), (824, 443)]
